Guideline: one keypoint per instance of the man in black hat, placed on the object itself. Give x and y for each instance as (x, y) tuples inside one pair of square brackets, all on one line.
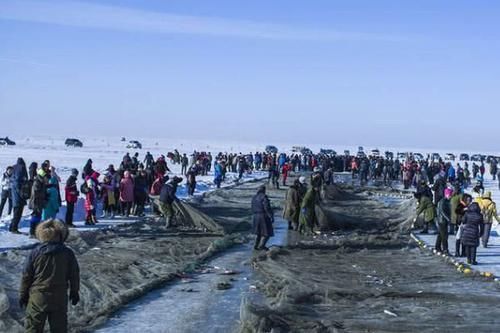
[(263, 218)]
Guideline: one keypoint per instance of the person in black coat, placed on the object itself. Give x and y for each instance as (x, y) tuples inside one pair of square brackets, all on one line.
[(263, 219), (442, 222), (438, 188), (87, 169), (472, 230), (19, 192), (140, 192)]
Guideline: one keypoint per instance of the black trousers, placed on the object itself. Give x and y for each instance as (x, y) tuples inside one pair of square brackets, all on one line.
[(442, 237), (70, 209), (126, 207), (18, 213), (470, 251), (6, 198)]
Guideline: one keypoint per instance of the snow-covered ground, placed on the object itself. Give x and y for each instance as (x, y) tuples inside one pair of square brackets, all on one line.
[(102, 151)]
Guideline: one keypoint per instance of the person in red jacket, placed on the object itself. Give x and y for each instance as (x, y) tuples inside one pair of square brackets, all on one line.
[(126, 193), (284, 171), (91, 193), (71, 196)]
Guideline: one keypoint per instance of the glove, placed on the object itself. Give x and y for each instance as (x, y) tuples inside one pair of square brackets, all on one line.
[(23, 301), (75, 298)]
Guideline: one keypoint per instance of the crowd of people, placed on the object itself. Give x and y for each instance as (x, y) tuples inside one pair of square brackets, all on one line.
[(125, 190), (443, 202)]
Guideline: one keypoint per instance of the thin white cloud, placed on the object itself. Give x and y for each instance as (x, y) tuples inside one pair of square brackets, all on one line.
[(86, 15), (23, 61)]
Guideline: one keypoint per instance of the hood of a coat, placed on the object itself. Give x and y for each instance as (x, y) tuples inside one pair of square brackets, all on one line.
[(52, 231), (474, 208), (50, 248)]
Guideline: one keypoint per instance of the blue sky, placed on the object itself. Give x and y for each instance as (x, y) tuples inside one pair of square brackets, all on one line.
[(395, 73)]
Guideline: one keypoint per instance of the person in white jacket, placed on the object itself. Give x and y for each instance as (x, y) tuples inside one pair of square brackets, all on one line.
[(6, 191)]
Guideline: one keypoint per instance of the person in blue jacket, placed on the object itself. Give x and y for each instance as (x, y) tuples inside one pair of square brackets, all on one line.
[(218, 174), (52, 205)]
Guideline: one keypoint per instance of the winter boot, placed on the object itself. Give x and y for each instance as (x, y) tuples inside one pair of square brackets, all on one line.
[(263, 244), (257, 243)]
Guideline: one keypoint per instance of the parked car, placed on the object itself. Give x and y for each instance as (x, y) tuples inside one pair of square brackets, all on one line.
[(271, 149), (134, 144), (477, 157), (418, 157), (449, 157), (464, 157), (6, 142), (361, 154), (328, 152), (375, 153), (72, 142), (306, 151), (435, 157), (489, 158), (402, 156), (297, 149)]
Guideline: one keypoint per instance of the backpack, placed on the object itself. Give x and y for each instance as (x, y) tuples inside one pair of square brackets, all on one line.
[(84, 188)]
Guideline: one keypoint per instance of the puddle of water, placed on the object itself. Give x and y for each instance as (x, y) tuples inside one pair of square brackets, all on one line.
[(202, 308)]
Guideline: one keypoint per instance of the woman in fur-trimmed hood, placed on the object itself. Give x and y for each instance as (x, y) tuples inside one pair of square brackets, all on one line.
[(49, 270)]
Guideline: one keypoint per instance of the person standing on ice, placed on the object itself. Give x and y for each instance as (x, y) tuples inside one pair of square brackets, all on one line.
[(218, 173), (140, 192), (291, 211), (50, 269), (263, 219), (442, 222), (184, 164), (87, 169), (53, 203), (20, 192), (6, 195), (89, 188), (308, 219), (191, 179), (284, 172), (493, 168), (71, 195), (167, 198), (426, 207), (462, 207), (473, 229), (489, 211), (126, 193), (39, 197)]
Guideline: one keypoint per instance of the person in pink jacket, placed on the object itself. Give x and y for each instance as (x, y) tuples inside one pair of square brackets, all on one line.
[(126, 193)]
